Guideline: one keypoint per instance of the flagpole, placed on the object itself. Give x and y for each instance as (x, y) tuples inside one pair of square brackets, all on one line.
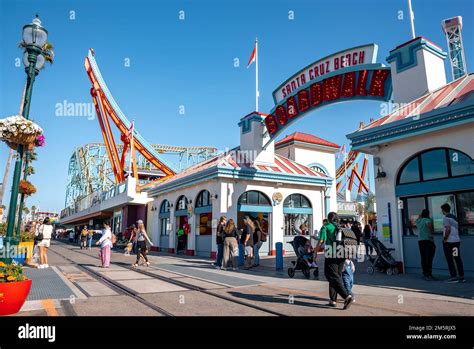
[(256, 74), (131, 151)]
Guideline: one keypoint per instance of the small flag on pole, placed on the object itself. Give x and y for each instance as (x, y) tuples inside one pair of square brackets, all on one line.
[(342, 151), (130, 131), (252, 57)]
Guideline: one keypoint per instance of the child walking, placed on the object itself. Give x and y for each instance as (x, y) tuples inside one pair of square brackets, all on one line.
[(348, 276)]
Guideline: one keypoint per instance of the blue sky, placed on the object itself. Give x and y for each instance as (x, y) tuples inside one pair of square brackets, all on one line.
[(191, 63)]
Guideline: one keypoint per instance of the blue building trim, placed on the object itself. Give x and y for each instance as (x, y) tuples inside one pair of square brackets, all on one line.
[(246, 123), (179, 213), (405, 56), (164, 215), (296, 210), (247, 174), (320, 166), (428, 122), (203, 209), (435, 186), (254, 208)]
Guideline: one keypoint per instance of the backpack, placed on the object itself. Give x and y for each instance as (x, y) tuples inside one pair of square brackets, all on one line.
[(348, 240), (84, 232)]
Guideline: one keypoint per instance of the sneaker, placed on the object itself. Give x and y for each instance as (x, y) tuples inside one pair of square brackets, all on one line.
[(224, 268), (348, 302), (45, 266), (314, 265), (332, 304), (147, 264), (234, 269), (453, 280), (41, 266), (135, 265), (463, 280)]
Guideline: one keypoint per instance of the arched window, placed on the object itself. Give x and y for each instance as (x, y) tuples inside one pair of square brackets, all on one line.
[(164, 217), (165, 207), (254, 198), (203, 199), (318, 168), (435, 163), (182, 203), (297, 201)]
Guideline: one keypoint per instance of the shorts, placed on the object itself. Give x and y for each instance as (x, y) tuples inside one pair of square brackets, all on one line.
[(249, 251), (44, 243)]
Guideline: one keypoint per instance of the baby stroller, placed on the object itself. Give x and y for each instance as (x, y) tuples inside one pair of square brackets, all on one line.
[(383, 261), (298, 244)]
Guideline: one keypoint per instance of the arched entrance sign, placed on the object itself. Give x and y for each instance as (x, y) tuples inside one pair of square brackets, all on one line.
[(343, 76)]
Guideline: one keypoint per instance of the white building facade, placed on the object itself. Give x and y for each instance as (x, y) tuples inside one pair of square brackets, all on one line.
[(253, 180), (423, 154)]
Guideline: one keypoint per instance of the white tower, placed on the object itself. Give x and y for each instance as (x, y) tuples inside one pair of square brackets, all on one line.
[(452, 28)]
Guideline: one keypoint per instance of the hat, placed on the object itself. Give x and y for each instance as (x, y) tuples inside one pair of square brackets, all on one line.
[(139, 221)]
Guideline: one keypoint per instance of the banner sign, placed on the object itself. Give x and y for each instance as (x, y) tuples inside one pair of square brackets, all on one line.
[(365, 54), (347, 75)]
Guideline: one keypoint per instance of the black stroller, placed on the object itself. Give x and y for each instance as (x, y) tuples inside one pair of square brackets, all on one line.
[(298, 244), (383, 262)]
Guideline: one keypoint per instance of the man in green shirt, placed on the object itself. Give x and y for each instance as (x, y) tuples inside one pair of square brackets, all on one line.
[(333, 265)]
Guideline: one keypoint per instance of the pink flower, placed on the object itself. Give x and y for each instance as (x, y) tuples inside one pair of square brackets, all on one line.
[(40, 141)]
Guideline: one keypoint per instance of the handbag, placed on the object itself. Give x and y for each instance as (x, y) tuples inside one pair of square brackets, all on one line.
[(40, 236)]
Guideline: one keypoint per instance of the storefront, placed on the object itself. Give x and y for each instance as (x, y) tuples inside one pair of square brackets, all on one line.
[(423, 157), (271, 188), (297, 212), (181, 225), (164, 224), (258, 207), (203, 212)]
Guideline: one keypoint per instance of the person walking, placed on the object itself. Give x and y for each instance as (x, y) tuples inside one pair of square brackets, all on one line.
[(426, 243), (106, 244), (333, 264), (142, 248), (220, 241), (89, 238), (348, 276), (231, 247), (43, 236), (367, 235), (247, 240), (133, 238), (259, 237), (84, 236), (452, 245)]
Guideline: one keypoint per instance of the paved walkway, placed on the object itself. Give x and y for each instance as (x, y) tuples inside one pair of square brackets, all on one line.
[(65, 289)]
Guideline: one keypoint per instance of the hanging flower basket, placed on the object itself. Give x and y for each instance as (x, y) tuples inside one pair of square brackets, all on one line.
[(14, 288), (16, 130), (26, 188)]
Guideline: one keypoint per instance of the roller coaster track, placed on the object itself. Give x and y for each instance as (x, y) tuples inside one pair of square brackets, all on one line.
[(350, 166), (107, 108)]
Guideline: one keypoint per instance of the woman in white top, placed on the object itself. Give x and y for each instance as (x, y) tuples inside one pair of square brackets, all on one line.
[(43, 235), (142, 238), (105, 243)]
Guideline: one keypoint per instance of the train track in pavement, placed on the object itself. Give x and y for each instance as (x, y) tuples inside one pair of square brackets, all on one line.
[(125, 290)]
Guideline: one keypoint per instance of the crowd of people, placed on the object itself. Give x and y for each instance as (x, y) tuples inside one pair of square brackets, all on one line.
[(228, 238)]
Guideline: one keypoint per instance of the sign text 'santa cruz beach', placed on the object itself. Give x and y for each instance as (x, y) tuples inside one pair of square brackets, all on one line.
[(343, 76)]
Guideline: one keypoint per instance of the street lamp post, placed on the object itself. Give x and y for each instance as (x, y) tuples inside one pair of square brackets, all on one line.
[(34, 38)]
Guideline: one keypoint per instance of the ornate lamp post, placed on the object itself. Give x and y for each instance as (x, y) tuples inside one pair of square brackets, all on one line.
[(35, 37)]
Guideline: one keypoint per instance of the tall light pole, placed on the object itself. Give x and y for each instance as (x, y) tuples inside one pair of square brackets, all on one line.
[(34, 39)]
